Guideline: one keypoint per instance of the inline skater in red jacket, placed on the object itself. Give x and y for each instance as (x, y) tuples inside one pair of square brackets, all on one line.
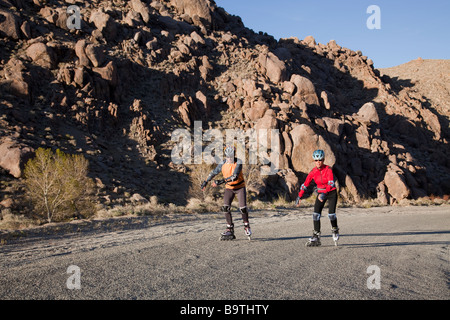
[(324, 179)]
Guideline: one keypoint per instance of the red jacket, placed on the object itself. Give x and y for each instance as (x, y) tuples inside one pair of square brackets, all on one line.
[(323, 177)]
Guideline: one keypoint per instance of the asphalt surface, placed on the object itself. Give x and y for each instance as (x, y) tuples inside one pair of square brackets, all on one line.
[(384, 253)]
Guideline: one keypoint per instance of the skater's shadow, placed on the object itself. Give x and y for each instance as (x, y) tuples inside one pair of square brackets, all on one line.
[(344, 243), (406, 233), (281, 238), (393, 243)]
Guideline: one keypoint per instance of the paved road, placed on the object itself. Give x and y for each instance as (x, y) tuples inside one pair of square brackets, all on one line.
[(403, 251)]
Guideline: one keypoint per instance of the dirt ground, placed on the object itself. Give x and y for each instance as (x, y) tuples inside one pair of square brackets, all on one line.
[(384, 253)]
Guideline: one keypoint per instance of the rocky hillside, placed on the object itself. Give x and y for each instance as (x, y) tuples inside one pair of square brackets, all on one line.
[(427, 78), (137, 70)]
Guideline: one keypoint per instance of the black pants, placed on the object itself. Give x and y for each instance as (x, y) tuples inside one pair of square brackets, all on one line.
[(228, 199), (229, 196), (331, 197)]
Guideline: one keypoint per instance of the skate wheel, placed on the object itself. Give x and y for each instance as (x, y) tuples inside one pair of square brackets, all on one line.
[(227, 238)]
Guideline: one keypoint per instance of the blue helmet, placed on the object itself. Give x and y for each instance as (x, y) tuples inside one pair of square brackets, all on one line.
[(318, 155)]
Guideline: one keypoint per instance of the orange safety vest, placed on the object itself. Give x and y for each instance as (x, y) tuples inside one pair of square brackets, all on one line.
[(227, 171)]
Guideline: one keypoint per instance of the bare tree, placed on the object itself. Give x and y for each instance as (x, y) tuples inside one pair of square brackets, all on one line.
[(198, 174), (57, 184)]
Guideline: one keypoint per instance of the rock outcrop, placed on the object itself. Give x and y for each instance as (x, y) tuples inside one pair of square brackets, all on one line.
[(116, 89)]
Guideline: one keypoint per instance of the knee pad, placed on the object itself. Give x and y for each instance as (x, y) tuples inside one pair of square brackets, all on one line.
[(243, 210), (226, 208), (332, 216), (316, 216)]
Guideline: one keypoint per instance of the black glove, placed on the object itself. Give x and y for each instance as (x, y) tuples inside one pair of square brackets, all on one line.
[(219, 182), (203, 184)]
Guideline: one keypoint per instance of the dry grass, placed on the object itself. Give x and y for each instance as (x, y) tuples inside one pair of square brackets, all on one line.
[(11, 221)]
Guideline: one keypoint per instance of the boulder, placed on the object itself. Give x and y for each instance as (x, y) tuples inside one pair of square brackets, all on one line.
[(206, 68), (80, 76), (184, 113), (49, 14), (304, 85), (257, 111), (108, 73), (369, 112), (350, 192), (80, 51), (9, 25), (305, 141), (363, 137), (142, 9), (7, 203), (95, 54), (41, 55), (15, 74), (382, 195), (268, 121), (17, 87), (104, 23), (334, 126), (136, 198), (305, 91), (274, 68), (248, 86), (200, 8), (197, 38), (26, 29), (202, 103), (133, 19), (289, 182), (61, 21), (396, 183), (432, 121), (310, 41), (324, 97), (288, 87), (287, 144), (13, 156)]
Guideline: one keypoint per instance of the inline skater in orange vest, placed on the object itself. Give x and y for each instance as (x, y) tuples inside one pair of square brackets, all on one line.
[(231, 168)]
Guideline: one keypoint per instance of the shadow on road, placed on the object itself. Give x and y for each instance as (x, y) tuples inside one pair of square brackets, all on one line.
[(406, 233), (344, 243), (393, 243), (280, 239), (390, 244)]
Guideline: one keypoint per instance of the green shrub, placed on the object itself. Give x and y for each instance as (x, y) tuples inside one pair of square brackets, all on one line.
[(58, 186)]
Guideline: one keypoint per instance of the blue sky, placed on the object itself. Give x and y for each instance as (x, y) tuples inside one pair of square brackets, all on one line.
[(409, 29)]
